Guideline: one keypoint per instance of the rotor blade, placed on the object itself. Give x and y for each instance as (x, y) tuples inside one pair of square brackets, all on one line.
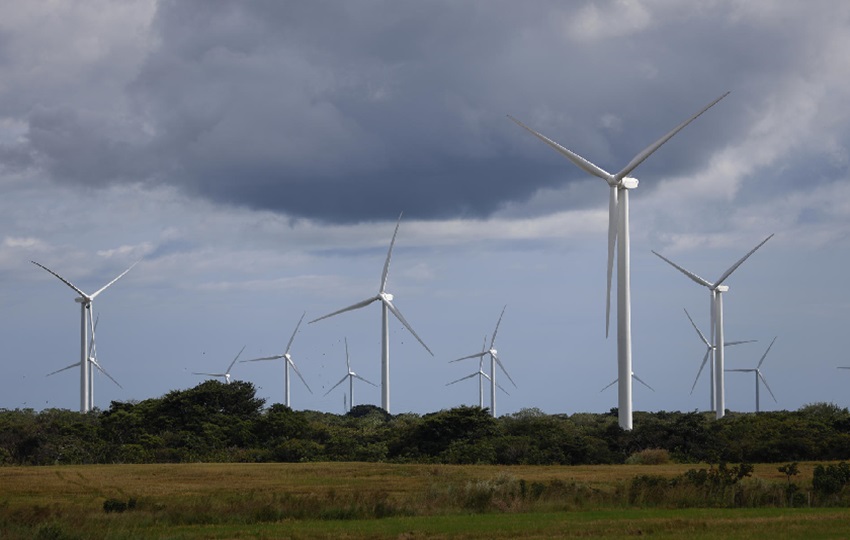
[(579, 161), (730, 343), (843, 367), (288, 345), (701, 366), (337, 384), (500, 387), (505, 371), (638, 379), (358, 305), (92, 328), (741, 370), (463, 378), (295, 369), (765, 353), (688, 273), (476, 355), (760, 376), (609, 385), (364, 380), (209, 374), (496, 331), (648, 151), (100, 368), (63, 369), (63, 280), (406, 324), (347, 361), (92, 297), (613, 219), (235, 359), (735, 266), (701, 336), (389, 256), (275, 357)]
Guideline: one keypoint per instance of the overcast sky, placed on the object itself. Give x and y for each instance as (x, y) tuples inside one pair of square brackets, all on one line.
[(257, 155)]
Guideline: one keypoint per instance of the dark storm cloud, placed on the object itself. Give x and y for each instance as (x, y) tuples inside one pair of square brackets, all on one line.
[(355, 111)]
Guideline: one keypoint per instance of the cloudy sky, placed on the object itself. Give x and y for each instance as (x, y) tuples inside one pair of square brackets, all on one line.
[(256, 156)]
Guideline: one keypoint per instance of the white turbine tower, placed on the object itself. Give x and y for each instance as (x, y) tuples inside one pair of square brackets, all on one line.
[(226, 374), (759, 377), (481, 377), (716, 291), (709, 348), (635, 377), (494, 359), (85, 301), (288, 362), (387, 305), (350, 376), (618, 233), (92, 363)]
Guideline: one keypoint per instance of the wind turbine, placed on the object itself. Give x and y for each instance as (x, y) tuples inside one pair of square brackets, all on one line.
[(481, 376), (287, 362), (709, 348), (716, 291), (494, 359), (618, 227), (387, 305), (85, 301), (759, 376), (350, 376), (226, 374), (635, 377)]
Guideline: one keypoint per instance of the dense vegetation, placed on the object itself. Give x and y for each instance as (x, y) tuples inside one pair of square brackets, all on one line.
[(215, 422)]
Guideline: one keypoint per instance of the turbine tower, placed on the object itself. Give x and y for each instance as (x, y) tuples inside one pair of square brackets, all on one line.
[(618, 233), (85, 301), (709, 348), (494, 359), (716, 291), (759, 376), (226, 374), (350, 376), (387, 306), (287, 363)]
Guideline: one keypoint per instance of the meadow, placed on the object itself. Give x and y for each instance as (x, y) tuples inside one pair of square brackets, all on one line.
[(378, 500)]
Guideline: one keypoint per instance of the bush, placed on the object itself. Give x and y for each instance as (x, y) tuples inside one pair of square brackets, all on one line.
[(650, 456)]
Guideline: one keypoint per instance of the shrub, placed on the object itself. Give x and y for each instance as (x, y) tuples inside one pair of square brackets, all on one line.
[(649, 456)]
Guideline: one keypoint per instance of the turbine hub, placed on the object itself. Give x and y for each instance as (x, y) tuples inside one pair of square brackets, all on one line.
[(721, 288), (387, 296), (629, 183)]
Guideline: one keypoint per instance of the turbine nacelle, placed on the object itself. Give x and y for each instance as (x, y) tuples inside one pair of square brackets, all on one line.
[(387, 297), (625, 183), (85, 300), (722, 288)]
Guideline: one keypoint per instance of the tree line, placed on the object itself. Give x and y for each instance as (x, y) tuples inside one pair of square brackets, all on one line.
[(215, 422)]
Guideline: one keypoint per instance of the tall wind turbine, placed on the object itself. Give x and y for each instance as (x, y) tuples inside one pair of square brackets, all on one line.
[(85, 301), (387, 305), (287, 362), (494, 359), (709, 348), (226, 374), (350, 376), (716, 291), (618, 227), (759, 376)]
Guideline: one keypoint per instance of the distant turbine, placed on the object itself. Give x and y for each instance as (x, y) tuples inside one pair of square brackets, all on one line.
[(350, 376), (494, 359), (759, 376), (618, 226), (709, 348), (716, 291), (386, 300), (481, 376), (635, 377), (226, 374), (85, 301), (288, 362)]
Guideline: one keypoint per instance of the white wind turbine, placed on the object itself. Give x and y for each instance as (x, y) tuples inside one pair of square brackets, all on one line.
[(226, 374), (288, 362), (92, 363), (350, 376), (494, 359), (85, 301), (709, 348), (759, 376), (716, 291), (481, 376), (618, 228), (387, 305)]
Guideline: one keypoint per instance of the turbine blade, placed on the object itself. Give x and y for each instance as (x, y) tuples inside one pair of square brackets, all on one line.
[(648, 151), (347, 361), (337, 384), (463, 378), (701, 366), (730, 343), (99, 368), (505, 371), (275, 357), (406, 324), (209, 374), (63, 369), (638, 379), (765, 353), (476, 355), (688, 273), (740, 370), (735, 266), (496, 331), (92, 297), (760, 376), (358, 305), (701, 336), (295, 369), (389, 256), (500, 387), (609, 385), (843, 367), (288, 345), (63, 280), (613, 218), (235, 359), (364, 380), (579, 161)]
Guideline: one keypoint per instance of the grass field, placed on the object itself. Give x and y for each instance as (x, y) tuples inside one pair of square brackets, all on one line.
[(369, 500)]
